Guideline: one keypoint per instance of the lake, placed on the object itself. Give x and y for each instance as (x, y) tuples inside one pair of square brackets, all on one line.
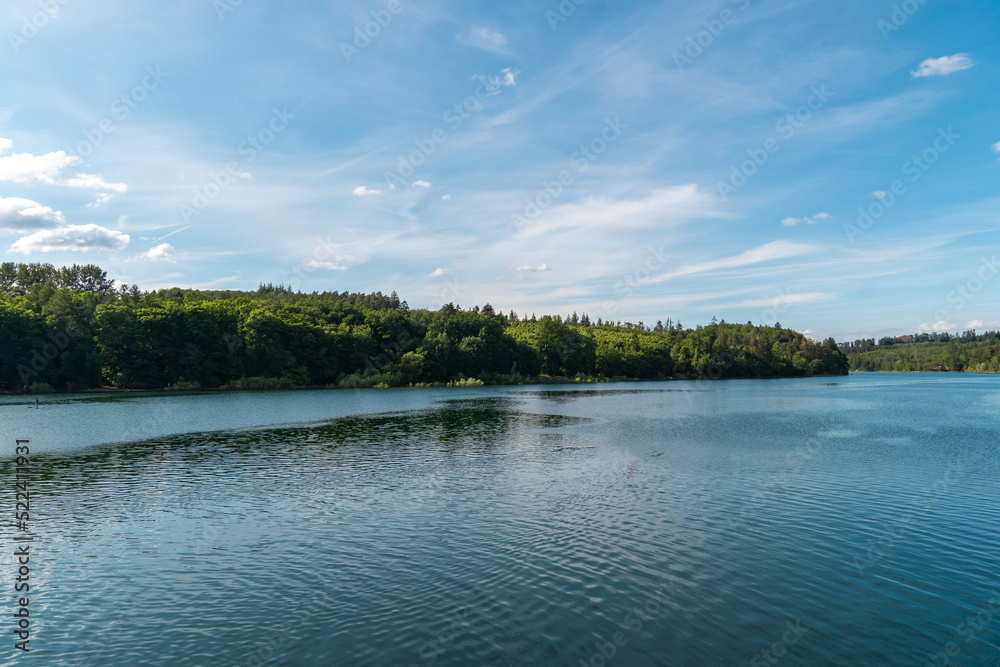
[(821, 521)]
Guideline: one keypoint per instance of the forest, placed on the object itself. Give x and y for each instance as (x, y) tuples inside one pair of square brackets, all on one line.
[(72, 329), (969, 352)]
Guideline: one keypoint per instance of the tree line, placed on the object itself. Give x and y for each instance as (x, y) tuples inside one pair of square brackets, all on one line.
[(969, 352), (71, 329)]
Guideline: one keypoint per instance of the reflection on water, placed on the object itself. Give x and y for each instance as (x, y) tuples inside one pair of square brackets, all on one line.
[(800, 522)]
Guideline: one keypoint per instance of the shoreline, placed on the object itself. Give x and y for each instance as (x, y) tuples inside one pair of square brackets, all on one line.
[(540, 381)]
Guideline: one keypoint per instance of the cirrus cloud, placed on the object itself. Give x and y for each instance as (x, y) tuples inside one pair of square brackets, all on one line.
[(485, 39), (791, 222)]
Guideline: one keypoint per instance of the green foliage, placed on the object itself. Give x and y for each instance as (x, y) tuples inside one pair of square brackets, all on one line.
[(969, 353), (258, 383), (184, 385), (69, 329)]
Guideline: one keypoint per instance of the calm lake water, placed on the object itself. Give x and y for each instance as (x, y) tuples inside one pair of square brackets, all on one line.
[(825, 521)]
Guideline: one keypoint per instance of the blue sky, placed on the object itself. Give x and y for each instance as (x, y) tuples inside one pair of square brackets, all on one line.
[(636, 160)]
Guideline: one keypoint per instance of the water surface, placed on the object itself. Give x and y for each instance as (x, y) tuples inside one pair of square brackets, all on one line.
[(846, 521)]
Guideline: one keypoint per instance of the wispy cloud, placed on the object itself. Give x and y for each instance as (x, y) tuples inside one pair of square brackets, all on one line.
[(944, 65), (791, 222), (438, 273), (494, 83), (996, 147), (601, 213), (421, 184), (485, 39), (331, 266), (528, 267), (765, 253), (786, 300)]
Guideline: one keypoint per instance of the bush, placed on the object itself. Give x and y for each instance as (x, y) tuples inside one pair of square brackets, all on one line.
[(182, 385), (466, 382), (40, 388), (258, 383)]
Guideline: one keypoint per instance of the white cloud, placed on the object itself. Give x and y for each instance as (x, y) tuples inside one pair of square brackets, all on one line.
[(95, 183), (362, 191), (975, 324), (24, 214), (944, 65), (509, 76), (996, 147), (316, 264), (438, 273), (791, 222), (81, 238), (485, 39), (27, 168), (421, 184), (541, 267), (765, 253), (162, 251), (938, 326), (446, 198), (880, 194), (102, 198)]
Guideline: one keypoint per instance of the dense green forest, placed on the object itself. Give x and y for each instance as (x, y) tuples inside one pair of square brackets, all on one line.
[(72, 329), (969, 353)]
